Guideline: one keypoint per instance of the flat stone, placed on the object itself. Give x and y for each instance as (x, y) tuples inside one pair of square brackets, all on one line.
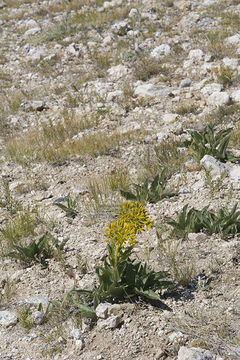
[(196, 55), (231, 63), (37, 300), (117, 72), (7, 318), (235, 96), (32, 32), (185, 353), (185, 83), (211, 88), (37, 317), (218, 99), (233, 40), (215, 167), (149, 90), (197, 236), (160, 51), (234, 174), (110, 323), (76, 334), (102, 310), (170, 117)]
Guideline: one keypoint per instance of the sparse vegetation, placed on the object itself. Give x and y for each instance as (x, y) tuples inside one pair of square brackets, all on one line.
[(207, 142)]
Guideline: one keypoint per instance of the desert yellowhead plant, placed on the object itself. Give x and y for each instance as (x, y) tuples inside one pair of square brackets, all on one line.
[(120, 277)]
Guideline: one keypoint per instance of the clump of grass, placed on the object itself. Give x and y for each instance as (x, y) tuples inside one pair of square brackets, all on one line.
[(225, 75), (54, 142), (235, 137), (216, 44), (166, 155), (186, 109), (104, 191), (147, 67), (23, 225), (224, 114)]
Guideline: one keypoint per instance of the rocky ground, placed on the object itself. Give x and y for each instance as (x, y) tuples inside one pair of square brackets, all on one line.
[(94, 97)]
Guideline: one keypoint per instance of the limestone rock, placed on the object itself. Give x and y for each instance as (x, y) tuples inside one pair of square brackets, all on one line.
[(211, 88), (196, 55), (160, 51), (218, 99), (117, 72), (149, 90), (216, 167), (185, 353), (7, 318)]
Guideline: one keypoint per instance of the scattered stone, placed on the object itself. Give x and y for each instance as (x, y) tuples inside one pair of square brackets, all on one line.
[(133, 13), (76, 334), (197, 237), (218, 99), (233, 40), (32, 24), (185, 83), (2, 4), (234, 174), (120, 28), (80, 343), (160, 51), (169, 118), (37, 300), (216, 167), (7, 318), (231, 63), (35, 105), (196, 55), (110, 323), (117, 72), (102, 310), (37, 317), (32, 32), (211, 88), (185, 353), (235, 96), (154, 91)]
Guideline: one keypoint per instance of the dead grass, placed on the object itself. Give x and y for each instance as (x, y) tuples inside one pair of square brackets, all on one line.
[(146, 67), (166, 155)]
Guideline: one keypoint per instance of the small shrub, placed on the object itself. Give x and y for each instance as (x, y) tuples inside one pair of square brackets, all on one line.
[(207, 142), (186, 109), (225, 75), (38, 251), (121, 277), (224, 222), (70, 209), (146, 67), (150, 192)]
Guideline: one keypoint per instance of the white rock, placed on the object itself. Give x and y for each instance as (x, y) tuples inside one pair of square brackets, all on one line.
[(149, 90), (235, 96), (185, 83), (132, 13), (234, 174), (169, 118), (110, 323), (73, 49), (114, 95), (117, 72), (185, 353), (196, 55), (32, 24), (211, 88), (7, 318), (36, 54), (216, 167), (107, 40), (120, 28), (160, 51), (76, 334), (175, 336), (102, 310), (80, 343), (31, 32), (218, 99), (37, 317), (233, 40), (37, 300), (231, 63), (197, 236)]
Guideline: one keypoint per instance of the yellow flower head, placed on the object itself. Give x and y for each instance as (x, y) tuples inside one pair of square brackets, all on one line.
[(133, 219)]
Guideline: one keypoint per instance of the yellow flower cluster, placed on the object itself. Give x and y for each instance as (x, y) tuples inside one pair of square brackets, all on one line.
[(133, 219)]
